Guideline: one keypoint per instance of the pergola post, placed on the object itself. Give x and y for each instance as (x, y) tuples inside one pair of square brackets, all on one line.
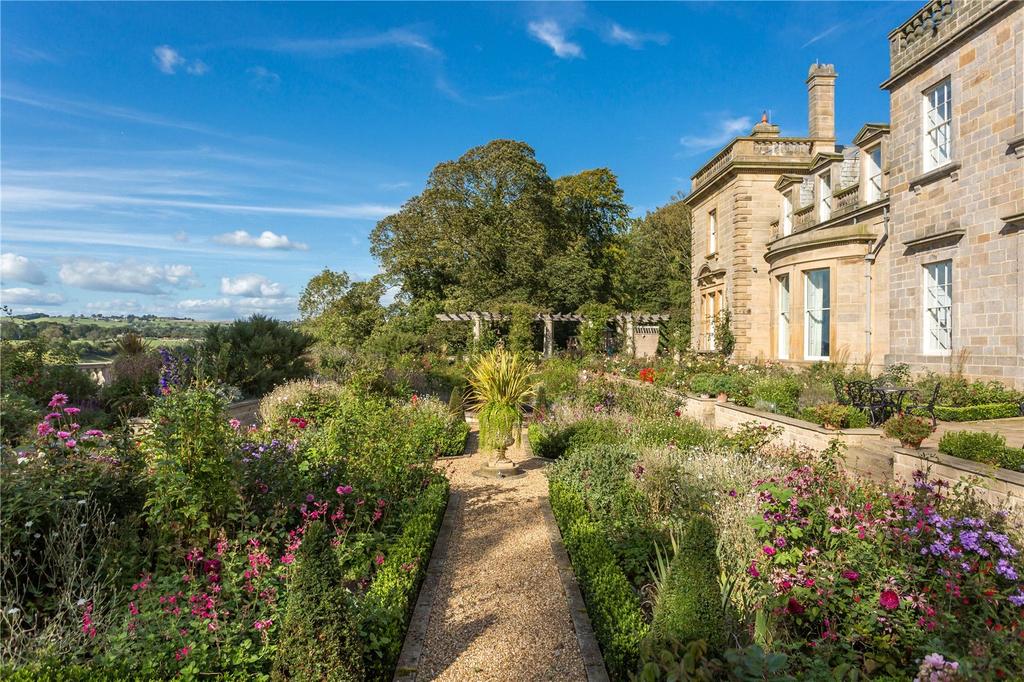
[(477, 328), (630, 341), (549, 337)]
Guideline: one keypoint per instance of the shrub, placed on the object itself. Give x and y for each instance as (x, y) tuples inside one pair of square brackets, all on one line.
[(612, 603), (907, 429), (194, 481), (988, 448), (780, 393), (702, 384), (830, 414), (256, 354), (389, 602), (689, 605), (309, 399), (558, 377), (977, 412), (17, 417), (318, 639)]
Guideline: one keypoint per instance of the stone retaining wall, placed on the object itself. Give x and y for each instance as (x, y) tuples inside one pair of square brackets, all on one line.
[(1000, 487)]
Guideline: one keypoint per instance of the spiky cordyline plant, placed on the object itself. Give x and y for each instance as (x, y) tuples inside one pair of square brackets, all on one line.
[(501, 383)]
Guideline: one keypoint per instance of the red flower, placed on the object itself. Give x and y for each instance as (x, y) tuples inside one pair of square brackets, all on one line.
[(889, 600), (299, 422)]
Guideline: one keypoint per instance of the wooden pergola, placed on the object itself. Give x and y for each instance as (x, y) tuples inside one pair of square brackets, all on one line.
[(625, 321)]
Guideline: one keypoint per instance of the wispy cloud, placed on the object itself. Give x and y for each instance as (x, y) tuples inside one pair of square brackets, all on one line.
[(262, 78), (30, 199), (395, 37), (635, 39), (552, 34), (140, 278), (725, 130), (265, 240), (20, 269), (168, 60), (30, 55), (236, 307), (26, 296), (824, 34), (251, 285)]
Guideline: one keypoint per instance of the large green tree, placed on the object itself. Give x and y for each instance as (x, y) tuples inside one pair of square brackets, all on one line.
[(492, 227)]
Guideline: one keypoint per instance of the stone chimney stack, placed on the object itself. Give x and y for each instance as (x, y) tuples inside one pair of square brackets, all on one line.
[(821, 102)]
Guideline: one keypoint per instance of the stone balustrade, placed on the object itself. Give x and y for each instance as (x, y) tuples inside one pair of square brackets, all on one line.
[(753, 150), (803, 218), (846, 200)]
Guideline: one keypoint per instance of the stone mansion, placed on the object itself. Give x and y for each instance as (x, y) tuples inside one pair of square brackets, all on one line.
[(905, 245)]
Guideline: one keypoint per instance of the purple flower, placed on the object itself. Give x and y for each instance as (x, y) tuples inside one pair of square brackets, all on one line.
[(769, 550)]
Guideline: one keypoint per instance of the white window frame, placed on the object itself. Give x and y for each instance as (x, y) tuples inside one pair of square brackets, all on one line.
[(937, 307), (824, 314), (787, 215), (783, 321), (873, 174), (937, 125), (824, 196), (712, 231)]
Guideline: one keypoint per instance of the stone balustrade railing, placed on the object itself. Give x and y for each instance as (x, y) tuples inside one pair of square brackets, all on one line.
[(846, 200), (803, 218), (753, 149), (773, 229)]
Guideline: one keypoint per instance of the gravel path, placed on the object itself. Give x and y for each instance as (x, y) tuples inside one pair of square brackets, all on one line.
[(500, 612)]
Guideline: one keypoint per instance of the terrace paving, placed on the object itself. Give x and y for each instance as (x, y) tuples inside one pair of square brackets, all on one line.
[(1012, 429), (499, 611)]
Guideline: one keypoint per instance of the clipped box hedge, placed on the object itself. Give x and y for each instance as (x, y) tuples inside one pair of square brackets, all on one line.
[(612, 604), (987, 448), (388, 604), (977, 412)]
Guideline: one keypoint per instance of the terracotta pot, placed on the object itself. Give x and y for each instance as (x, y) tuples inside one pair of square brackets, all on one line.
[(722, 397), (831, 427), (911, 444)]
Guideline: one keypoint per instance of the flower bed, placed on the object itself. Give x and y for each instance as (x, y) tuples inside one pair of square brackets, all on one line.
[(182, 551), (818, 572)]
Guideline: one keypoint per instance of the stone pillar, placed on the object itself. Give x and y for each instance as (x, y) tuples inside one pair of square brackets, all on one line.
[(477, 328), (549, 337)]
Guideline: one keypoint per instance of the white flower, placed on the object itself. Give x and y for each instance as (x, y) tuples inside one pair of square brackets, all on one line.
[(81, 602), (36, 535), (13, 611), (22, 460), (28, 524), (81, 502)]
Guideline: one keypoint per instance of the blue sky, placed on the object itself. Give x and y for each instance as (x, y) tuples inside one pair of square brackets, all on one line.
[(207, 159)]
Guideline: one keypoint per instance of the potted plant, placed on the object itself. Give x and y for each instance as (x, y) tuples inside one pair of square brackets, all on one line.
[(501, 385), (831, 415), (908, 430), (702, 384), (722, 386)]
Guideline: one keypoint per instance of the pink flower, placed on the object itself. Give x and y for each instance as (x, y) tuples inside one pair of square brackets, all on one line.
[(769, 550), (52, 415), (44, 429), (851, 575), (794, 607), (96, 433), (889, 600), (133, 608), (234, 424), (71, 410), (752, 570), (182, 653), (70, 443), (58, 400), (379, 560), (263, 624), (343, 489), (310, 497), (63, 435)]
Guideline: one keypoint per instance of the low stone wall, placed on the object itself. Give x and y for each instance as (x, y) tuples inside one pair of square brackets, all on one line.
[(245, 411), (1000, 487)]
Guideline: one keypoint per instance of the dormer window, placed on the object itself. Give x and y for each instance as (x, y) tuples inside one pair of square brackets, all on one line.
[(787, 215), (824, 196), (873, 174)]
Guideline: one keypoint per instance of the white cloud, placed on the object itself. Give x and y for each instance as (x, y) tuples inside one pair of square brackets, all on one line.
[(634, 39), (263, 78), (168, 60), (20, 269), (27, 296), (727, 129), (551, 33), (251, 285), (395, 37), (141, 278), (226, 307), (34, 199), (266, 240), (824, 34), (181, 236), (114, 306)]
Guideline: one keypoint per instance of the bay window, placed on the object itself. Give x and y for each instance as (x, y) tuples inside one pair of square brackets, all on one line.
[(783, 340), (817, 294)]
